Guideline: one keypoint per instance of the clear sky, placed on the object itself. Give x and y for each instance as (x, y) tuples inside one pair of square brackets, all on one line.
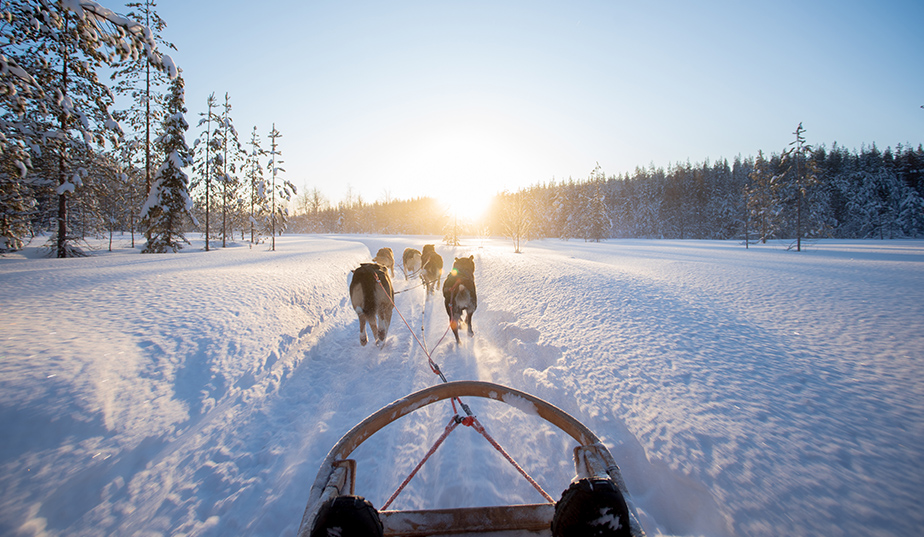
[(400, 99)]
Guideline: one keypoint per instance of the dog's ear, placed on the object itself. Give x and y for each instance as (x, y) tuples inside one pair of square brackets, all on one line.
[(472, 257)]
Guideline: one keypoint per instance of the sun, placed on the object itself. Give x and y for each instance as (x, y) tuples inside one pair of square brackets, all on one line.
[(468, 205)]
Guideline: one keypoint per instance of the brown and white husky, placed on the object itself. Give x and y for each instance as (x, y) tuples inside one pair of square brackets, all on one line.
[(372, 302), (410, 260)]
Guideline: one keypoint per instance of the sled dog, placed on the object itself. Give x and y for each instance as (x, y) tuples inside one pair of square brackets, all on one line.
[(372, 302), (459, 294), (386, 257), (432, 268), (410, 261)]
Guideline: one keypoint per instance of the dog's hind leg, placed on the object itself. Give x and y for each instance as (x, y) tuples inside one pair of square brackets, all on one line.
[(468, 321), (384, 324), (455, 315), (373, 327), (362, 330)]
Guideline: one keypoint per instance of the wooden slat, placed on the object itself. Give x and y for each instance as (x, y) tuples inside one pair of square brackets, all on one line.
[(529, 517)]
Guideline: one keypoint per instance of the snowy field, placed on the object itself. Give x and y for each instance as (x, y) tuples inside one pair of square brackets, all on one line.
[(758, 392)]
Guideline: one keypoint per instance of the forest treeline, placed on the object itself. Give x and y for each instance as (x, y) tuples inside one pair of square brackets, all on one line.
[(75, 164), (870, 193)]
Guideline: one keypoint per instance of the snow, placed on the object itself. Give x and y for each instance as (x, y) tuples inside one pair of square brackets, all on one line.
[(742, 392)]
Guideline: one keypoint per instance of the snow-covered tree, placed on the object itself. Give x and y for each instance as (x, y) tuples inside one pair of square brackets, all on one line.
[(54, 102), (231, 154), (279, 187), (169, 205), (133, 190), (208, 165), (795, 185), (17, 203), (760, 203), (254, 175), (145, 85), (596, 221)]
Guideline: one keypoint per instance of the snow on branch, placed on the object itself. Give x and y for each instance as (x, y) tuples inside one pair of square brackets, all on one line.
[(140, 37)]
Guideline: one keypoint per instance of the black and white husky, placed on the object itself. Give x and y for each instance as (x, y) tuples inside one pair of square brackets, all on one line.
[(459, 294)]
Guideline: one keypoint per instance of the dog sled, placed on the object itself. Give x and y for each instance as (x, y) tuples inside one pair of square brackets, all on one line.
[(596, 502)]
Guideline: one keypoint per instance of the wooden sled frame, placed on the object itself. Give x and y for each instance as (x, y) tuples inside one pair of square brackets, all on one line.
[(337, 473)]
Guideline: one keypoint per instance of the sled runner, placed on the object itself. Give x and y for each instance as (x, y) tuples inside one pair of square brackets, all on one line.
[(596, 503)]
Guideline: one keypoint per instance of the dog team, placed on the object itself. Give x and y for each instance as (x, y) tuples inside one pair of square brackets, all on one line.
[(372, 293)]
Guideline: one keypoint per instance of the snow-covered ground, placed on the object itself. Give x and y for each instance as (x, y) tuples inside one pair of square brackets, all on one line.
[(758, 392)]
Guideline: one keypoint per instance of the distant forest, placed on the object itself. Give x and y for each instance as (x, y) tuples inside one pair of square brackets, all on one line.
[(838, 193)]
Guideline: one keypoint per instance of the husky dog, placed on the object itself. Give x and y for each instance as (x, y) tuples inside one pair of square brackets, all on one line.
[(386, 257), (410, 261), (459, 294), (431, 268), (373, 302)]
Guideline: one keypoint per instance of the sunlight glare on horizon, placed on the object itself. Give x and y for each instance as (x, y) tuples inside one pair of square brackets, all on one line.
[(462, 159)]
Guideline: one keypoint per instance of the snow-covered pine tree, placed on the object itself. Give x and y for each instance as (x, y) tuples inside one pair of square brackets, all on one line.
[(17, 203), (597, 223), (110, 193), (231, 155), (208, 159), (132, 187), (254, 175), (911, 212), (145, 85), (18, 135), (794, 186), (169, 205), (760, 202), (279, 187)]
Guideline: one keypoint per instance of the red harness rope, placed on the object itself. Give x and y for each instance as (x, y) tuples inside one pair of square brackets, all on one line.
[(470, 420)]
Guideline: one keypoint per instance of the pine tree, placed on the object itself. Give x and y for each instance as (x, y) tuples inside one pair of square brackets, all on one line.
[(795, 184), (209, 163), (254, 175), (284, 189), (131, 191), (761, 206), (231, 151), (138, 79), (17, 203), (597, 223), (169, 205)]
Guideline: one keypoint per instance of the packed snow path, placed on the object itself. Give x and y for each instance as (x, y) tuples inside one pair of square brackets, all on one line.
[(743, 392)]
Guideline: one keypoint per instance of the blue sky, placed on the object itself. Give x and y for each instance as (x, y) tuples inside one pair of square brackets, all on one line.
[(464, 99)]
